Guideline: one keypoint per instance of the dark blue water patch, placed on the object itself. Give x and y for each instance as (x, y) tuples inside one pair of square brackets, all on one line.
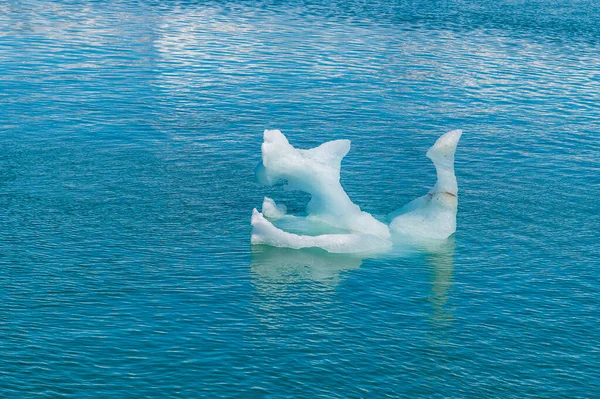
[(557, 21)]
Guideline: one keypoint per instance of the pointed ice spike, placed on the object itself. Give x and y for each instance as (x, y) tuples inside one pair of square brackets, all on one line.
[(433, 215), (442, 155), (330, 153)]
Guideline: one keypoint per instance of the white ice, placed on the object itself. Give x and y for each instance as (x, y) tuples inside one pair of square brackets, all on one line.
[(317, 172), (272, 210), (433, 215), (333, 222), (264, 232)]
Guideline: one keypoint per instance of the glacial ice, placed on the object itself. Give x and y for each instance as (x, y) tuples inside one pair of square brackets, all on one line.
[(333, 222), (272, 210), (264, 232), (317, 172), (434, 214)]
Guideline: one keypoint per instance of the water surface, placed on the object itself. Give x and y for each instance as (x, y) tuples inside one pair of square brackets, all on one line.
[(129, 132)]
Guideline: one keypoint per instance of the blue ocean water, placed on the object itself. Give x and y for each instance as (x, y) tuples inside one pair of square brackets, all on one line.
[(129, 132)]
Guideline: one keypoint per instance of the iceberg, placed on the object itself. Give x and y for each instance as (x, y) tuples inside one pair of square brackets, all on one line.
[(333, 222)]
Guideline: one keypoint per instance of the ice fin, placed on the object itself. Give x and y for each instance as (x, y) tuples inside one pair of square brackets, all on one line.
[(442, 155), (330, 153), (433, 215)]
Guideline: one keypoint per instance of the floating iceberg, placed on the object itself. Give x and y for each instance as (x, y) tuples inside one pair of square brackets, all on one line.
[(333, 222)]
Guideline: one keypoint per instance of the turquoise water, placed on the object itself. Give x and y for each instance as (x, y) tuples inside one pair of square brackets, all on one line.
[(129, 132)]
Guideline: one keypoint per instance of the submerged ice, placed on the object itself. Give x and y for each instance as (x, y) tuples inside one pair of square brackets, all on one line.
[(264, 232), (333, 222)]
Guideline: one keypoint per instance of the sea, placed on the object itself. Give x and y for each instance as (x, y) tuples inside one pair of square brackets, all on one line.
[(129, 134)]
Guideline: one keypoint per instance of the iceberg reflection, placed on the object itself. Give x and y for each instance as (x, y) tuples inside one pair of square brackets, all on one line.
[(274, 268), (440, 260)]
